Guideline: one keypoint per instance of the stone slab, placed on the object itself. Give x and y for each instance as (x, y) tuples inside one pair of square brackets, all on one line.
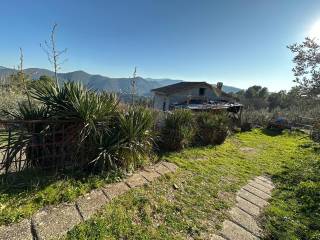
[(136, 180), (115, 189), (252, 198), (232, 231), (91, 203), (257, 192), (260, 187), (172, 167), (150, 175), (263, 183), (266, 179), (17, 231), (161, 169), (248, 207), (54, 222), (216, 237), (245, 220)]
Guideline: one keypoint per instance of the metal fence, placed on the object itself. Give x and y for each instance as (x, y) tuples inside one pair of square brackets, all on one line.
[(50, 145)]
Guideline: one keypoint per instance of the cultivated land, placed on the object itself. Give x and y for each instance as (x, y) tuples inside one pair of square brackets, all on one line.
[(191, 203)]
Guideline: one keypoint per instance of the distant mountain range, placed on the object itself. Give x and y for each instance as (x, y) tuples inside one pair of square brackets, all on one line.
[(143, 85)]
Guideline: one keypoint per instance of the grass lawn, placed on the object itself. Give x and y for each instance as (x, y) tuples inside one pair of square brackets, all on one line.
[(23, 194), (192, 203)]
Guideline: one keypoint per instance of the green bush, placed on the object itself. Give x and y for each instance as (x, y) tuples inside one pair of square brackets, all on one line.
[(178, 130), (251, 118), (212, 128)]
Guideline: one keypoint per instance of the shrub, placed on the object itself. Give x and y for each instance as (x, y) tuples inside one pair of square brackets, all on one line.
[(211, 128), (315, 133), (254, 118), (136, 137), (178, 130)]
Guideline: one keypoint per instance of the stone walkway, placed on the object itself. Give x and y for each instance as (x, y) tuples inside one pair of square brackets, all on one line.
[(53, 222), (242, 223)]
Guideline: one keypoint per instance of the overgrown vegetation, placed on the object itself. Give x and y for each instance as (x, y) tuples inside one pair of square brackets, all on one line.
[(107, 136), (211, 128), (178, 130), (193, 202)]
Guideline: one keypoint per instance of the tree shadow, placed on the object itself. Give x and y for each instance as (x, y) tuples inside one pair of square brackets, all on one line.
[(34, 180), (272, 132)]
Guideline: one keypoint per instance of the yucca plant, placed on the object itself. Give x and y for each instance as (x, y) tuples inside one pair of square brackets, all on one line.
[(74, 102), (178, 130), (24, 134), (69, 106), (136, 136)]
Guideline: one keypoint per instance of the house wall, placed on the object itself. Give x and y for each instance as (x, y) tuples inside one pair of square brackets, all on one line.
[(159, 100), (182, 96)]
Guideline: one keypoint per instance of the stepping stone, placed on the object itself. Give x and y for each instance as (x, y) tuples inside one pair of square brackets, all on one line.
[(257, 192), (161, 169), (216, 237), (252, 198), (17, 231), (260, 187), (136, 180), (233, 231), (172, 167), (55, 222), (263, 183), (245, 220), (265, 179), (90, 203), (248, 207), (115, 189), (150, 175)]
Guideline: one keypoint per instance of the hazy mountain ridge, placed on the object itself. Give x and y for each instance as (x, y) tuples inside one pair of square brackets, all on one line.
[(99, 82)]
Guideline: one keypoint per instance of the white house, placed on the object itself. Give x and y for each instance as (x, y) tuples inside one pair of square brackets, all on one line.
[(167, 97)]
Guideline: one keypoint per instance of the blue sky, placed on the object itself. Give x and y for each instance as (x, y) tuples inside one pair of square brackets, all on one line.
[(241, 43)]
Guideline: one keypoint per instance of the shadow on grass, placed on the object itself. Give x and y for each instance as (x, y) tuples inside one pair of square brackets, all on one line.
[(30, 180), (272, 132)]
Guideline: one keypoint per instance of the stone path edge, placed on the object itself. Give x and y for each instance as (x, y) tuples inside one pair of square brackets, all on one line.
[(53, 222), (242, 223)]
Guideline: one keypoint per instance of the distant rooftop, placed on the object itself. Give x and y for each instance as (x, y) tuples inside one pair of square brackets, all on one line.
[(177, 87)]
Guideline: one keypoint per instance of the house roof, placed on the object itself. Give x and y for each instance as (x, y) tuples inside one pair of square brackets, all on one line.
[(177, 87)]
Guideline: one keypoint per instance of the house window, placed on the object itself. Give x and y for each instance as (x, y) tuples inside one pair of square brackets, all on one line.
[(202, 91)]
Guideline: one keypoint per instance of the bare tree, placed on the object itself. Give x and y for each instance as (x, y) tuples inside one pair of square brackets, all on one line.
[(133, 84), (53, 54), (22, 76)]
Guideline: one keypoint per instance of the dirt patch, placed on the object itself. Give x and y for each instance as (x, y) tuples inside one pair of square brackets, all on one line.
[(248, 150)]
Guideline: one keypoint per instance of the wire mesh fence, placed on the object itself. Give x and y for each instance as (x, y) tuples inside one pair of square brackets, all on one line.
[(48, 145)]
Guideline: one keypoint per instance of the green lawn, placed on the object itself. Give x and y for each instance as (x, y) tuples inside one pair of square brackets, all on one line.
[(23, 194), (192, 203)]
